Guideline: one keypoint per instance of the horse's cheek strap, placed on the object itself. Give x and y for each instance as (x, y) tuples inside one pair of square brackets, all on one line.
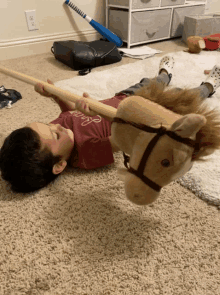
[(145, 179), (140, 171), (148, 151)]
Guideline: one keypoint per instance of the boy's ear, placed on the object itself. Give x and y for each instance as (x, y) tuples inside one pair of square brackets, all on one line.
[(59, 167)]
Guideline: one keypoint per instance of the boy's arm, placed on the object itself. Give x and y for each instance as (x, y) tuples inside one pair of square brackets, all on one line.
[(64, 105), (83, 107)]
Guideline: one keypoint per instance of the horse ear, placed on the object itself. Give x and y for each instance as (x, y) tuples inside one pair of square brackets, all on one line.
[(188, 125), (122, 172)]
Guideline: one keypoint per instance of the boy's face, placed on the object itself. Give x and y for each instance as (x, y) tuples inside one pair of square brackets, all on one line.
[(57, 139)]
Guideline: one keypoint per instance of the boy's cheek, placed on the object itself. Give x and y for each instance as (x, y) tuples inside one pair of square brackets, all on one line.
[(70, 134)]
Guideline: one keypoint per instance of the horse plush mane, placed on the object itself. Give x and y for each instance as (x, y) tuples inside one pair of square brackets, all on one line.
[(171, 129), (187, 101)]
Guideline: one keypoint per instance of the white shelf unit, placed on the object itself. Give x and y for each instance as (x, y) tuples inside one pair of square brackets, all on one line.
[(143, 21)]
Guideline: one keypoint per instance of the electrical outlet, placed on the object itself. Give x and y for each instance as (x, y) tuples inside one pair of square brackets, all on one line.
[(31, 20)]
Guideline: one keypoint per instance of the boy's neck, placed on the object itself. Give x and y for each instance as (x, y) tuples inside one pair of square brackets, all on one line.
[(73, 159)]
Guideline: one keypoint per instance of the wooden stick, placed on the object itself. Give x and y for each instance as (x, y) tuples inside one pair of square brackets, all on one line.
[(95, 105)]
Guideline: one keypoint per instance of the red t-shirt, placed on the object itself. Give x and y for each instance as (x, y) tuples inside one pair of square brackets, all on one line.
[(91, 135)]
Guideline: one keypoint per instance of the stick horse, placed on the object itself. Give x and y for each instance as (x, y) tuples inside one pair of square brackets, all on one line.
[(161, 133)]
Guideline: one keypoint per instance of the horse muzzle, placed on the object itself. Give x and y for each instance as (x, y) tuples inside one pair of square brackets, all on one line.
[(138, 192)]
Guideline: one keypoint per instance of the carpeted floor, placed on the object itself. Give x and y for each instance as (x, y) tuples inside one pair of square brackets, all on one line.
[(81, 236)]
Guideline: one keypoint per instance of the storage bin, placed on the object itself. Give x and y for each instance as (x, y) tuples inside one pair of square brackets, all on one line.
[(142, 21), (172, 2), (145, 25), (136, 4), (119, 2), (179, 15), (201, 25)]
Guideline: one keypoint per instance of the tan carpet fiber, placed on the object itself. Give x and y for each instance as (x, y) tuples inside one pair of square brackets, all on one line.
[(81, 236)]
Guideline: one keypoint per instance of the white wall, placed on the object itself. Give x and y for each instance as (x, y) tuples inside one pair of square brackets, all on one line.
[(55, 21), (213, 6)]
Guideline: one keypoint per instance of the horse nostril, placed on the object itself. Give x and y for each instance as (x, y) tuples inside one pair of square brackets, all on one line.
[(136, 196)]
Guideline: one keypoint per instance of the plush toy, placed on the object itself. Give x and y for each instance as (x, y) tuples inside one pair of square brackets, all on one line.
[(163, 132), (196, 44), (166, 160), (162, 144)]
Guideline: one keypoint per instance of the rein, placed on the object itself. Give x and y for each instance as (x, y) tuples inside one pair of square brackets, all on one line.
[(159, 133)]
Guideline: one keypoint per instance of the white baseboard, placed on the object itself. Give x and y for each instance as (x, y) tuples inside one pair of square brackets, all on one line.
[(41, 44)]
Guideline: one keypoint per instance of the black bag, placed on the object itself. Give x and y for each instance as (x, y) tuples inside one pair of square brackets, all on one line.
[(83, 56)]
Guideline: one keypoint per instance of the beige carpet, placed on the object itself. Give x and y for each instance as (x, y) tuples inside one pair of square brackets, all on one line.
[(81, 236)]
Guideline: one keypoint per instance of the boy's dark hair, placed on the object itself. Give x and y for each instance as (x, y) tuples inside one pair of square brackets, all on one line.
[(22, 162)]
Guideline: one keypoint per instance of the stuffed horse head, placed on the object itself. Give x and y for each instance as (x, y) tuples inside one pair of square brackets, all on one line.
[(160, 144)]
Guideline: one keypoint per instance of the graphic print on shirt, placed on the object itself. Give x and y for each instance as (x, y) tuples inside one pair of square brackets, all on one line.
[(86, 119)]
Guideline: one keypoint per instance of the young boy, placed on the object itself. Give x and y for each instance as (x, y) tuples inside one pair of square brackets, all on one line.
[(33, 156)]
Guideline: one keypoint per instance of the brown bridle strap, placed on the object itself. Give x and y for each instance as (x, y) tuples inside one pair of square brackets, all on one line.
[(140, 171), (138, 126), (172, 134), (145, 179)]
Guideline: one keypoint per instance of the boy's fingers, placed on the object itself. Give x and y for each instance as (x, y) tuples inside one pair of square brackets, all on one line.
[(85, 94), (40, 89), (83, 107), (50, 82)]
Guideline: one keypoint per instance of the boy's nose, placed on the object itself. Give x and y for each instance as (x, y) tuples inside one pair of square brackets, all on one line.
[(60, 128), (56, 126)]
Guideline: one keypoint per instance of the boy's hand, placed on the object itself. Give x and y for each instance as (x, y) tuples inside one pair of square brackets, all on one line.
[(40, 89), (83, 106)]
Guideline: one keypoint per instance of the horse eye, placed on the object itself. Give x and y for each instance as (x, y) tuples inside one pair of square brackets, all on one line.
[(165, 163)]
